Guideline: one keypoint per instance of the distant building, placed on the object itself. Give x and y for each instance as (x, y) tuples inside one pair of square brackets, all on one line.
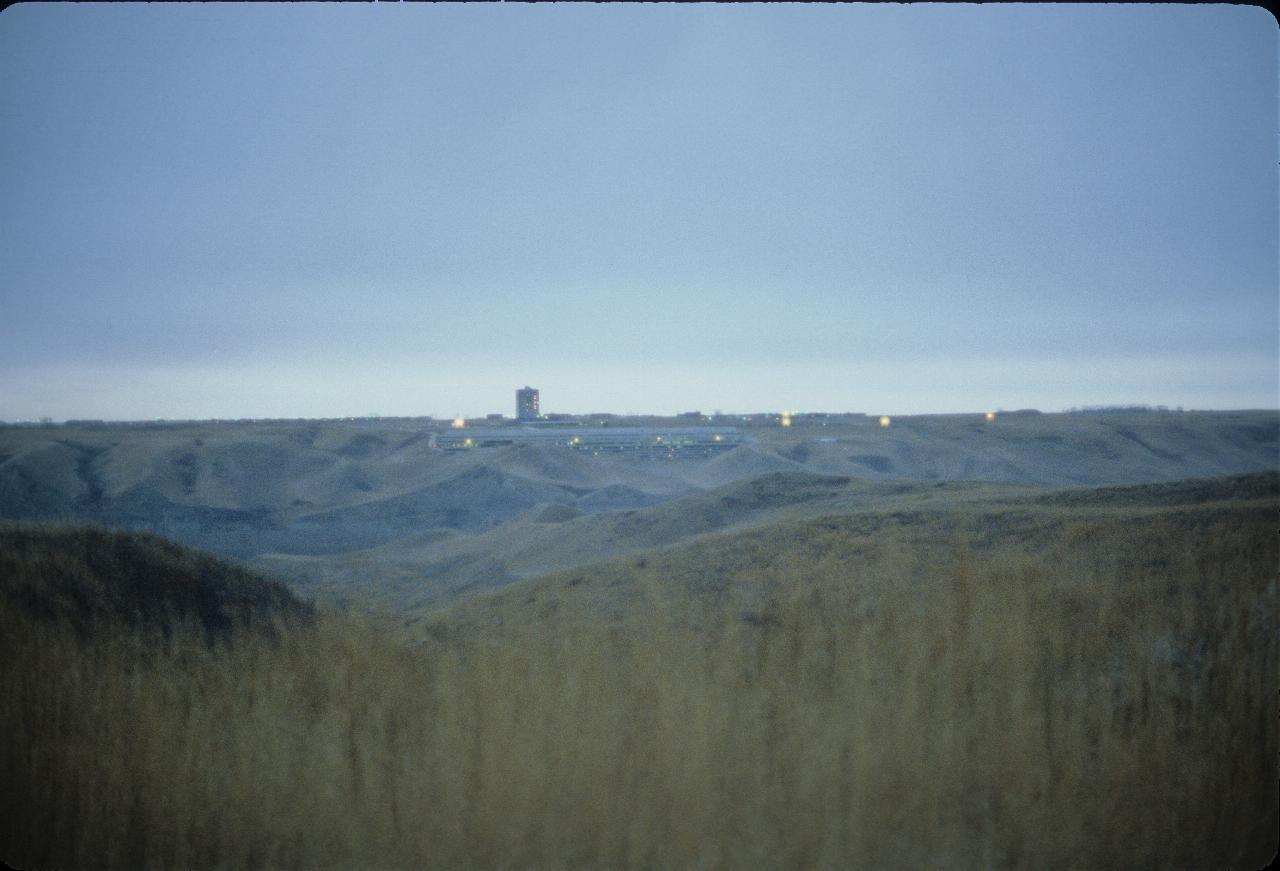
[(644, 442), (527, 404)]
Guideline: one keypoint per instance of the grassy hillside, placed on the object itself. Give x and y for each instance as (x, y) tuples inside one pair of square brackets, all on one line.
[(102, 581), (1087, 681), (904, 537), (436, 568)]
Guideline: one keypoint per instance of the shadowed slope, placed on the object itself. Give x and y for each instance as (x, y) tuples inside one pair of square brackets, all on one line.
[(95, 580)]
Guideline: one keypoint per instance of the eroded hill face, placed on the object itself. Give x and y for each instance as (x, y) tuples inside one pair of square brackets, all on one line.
[(344, 504)]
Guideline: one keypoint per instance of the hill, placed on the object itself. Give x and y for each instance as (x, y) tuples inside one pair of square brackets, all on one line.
[(99, 581), (887, 536), (429, 570)]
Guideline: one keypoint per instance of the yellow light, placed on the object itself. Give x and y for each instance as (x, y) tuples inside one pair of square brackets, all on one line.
[(786, 419), (467, 442), (991, 415), (459, 423), (717, 437), (884, 421)]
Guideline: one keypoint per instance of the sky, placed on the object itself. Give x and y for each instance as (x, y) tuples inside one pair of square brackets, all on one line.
[(325, 210)]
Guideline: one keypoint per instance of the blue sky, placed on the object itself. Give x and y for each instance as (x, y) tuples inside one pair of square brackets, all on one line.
[(323, 210)]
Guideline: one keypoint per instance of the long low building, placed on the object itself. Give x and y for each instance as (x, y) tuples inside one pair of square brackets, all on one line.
[(670, 441)]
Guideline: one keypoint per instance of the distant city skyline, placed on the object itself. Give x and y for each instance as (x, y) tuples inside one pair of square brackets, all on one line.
[(298, 210)]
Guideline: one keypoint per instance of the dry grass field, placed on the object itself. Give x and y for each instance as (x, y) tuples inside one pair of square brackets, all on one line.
[(1091, 685)]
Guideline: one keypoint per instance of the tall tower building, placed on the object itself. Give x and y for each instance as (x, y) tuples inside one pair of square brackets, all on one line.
[(527, 404)]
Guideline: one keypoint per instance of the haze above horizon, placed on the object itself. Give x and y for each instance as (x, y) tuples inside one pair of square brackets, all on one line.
[(325, 210)]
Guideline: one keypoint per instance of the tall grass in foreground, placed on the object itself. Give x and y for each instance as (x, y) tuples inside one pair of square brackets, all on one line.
[(1009, 714)]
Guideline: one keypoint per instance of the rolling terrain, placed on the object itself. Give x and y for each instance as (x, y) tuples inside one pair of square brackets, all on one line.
[(891, 537), (371, 509)]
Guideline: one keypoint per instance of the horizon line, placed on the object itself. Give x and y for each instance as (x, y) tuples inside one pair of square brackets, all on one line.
[(1136, 408)]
